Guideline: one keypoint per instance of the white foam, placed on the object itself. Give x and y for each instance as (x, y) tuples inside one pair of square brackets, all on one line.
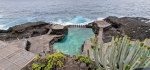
[(100, 18), (147, 21), (120, 16), (69, 23), (3, 27), (1, 16), (77, 20), (143, 20)]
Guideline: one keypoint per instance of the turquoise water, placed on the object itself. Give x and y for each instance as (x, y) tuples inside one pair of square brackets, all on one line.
[(73, 41)]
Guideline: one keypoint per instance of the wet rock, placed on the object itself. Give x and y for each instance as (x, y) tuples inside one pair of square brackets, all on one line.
[(95, 28), (31, 29), (90, 25), (26, 30), (134, 27)]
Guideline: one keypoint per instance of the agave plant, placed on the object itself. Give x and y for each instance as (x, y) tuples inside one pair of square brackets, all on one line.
[(121, 54)]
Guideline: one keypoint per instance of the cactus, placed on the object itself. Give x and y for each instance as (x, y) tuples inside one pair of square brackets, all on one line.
[(121, 55)]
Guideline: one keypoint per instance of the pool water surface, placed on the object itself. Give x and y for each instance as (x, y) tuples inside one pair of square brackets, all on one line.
[(72, 42)]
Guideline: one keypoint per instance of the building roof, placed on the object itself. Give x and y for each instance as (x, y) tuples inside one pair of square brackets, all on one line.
[(14, 58)]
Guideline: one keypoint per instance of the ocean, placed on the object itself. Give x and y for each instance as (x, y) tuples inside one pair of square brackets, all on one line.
[(14, 12)]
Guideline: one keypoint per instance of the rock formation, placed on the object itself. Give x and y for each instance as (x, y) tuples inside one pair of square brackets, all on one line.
[(134, 27), (31, 29), (39, 36)]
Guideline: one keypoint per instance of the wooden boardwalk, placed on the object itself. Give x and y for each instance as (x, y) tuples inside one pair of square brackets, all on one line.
[(13, 55), (14, 58)]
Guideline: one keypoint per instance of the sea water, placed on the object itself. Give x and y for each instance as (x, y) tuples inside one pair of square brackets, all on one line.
[(13, 12)]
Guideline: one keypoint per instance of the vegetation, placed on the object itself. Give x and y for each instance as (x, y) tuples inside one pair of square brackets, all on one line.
[(83, 59), (38, 66), (51, 61), (121, 55), (56, 59), (36, 58)]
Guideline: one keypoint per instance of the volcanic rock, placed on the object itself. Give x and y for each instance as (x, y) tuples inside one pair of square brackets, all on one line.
[(134, 27), (31, 29)]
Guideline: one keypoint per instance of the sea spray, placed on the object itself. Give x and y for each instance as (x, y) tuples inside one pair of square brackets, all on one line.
[(72, 21), (76, 20)]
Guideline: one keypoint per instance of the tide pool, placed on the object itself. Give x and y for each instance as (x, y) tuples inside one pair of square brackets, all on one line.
[(72, 42)]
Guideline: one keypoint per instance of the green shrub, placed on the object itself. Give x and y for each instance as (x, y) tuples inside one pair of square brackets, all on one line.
[(83, 59), (36, 58), (56, 59), (121, 55), (36, 66), (51, 61)]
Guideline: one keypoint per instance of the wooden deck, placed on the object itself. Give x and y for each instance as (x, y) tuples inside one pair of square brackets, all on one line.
[(14, 58)]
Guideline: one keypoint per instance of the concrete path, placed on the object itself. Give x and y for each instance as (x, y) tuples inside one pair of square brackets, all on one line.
[(38, 44)]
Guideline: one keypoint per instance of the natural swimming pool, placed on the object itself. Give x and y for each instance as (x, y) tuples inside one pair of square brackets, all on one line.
[(72, 43)]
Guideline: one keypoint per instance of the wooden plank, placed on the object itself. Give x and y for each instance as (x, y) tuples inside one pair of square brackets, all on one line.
[(14, 58), (26, 55), (4, 53), (4, 64), (11, 49), (13, 67), (21, 62)]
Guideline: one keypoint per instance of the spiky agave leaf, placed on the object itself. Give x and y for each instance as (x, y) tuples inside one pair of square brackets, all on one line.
[(131, 53), (95, 50), (120, 56), (147, 64), (124, 45), (100, 52), (105, 62)]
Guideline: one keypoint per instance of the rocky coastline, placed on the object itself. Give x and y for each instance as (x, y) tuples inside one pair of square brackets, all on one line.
[(38, 37), (137, 28), (134, 27)]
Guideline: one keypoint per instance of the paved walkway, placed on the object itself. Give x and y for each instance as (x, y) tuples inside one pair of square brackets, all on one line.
[(38, 44)]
